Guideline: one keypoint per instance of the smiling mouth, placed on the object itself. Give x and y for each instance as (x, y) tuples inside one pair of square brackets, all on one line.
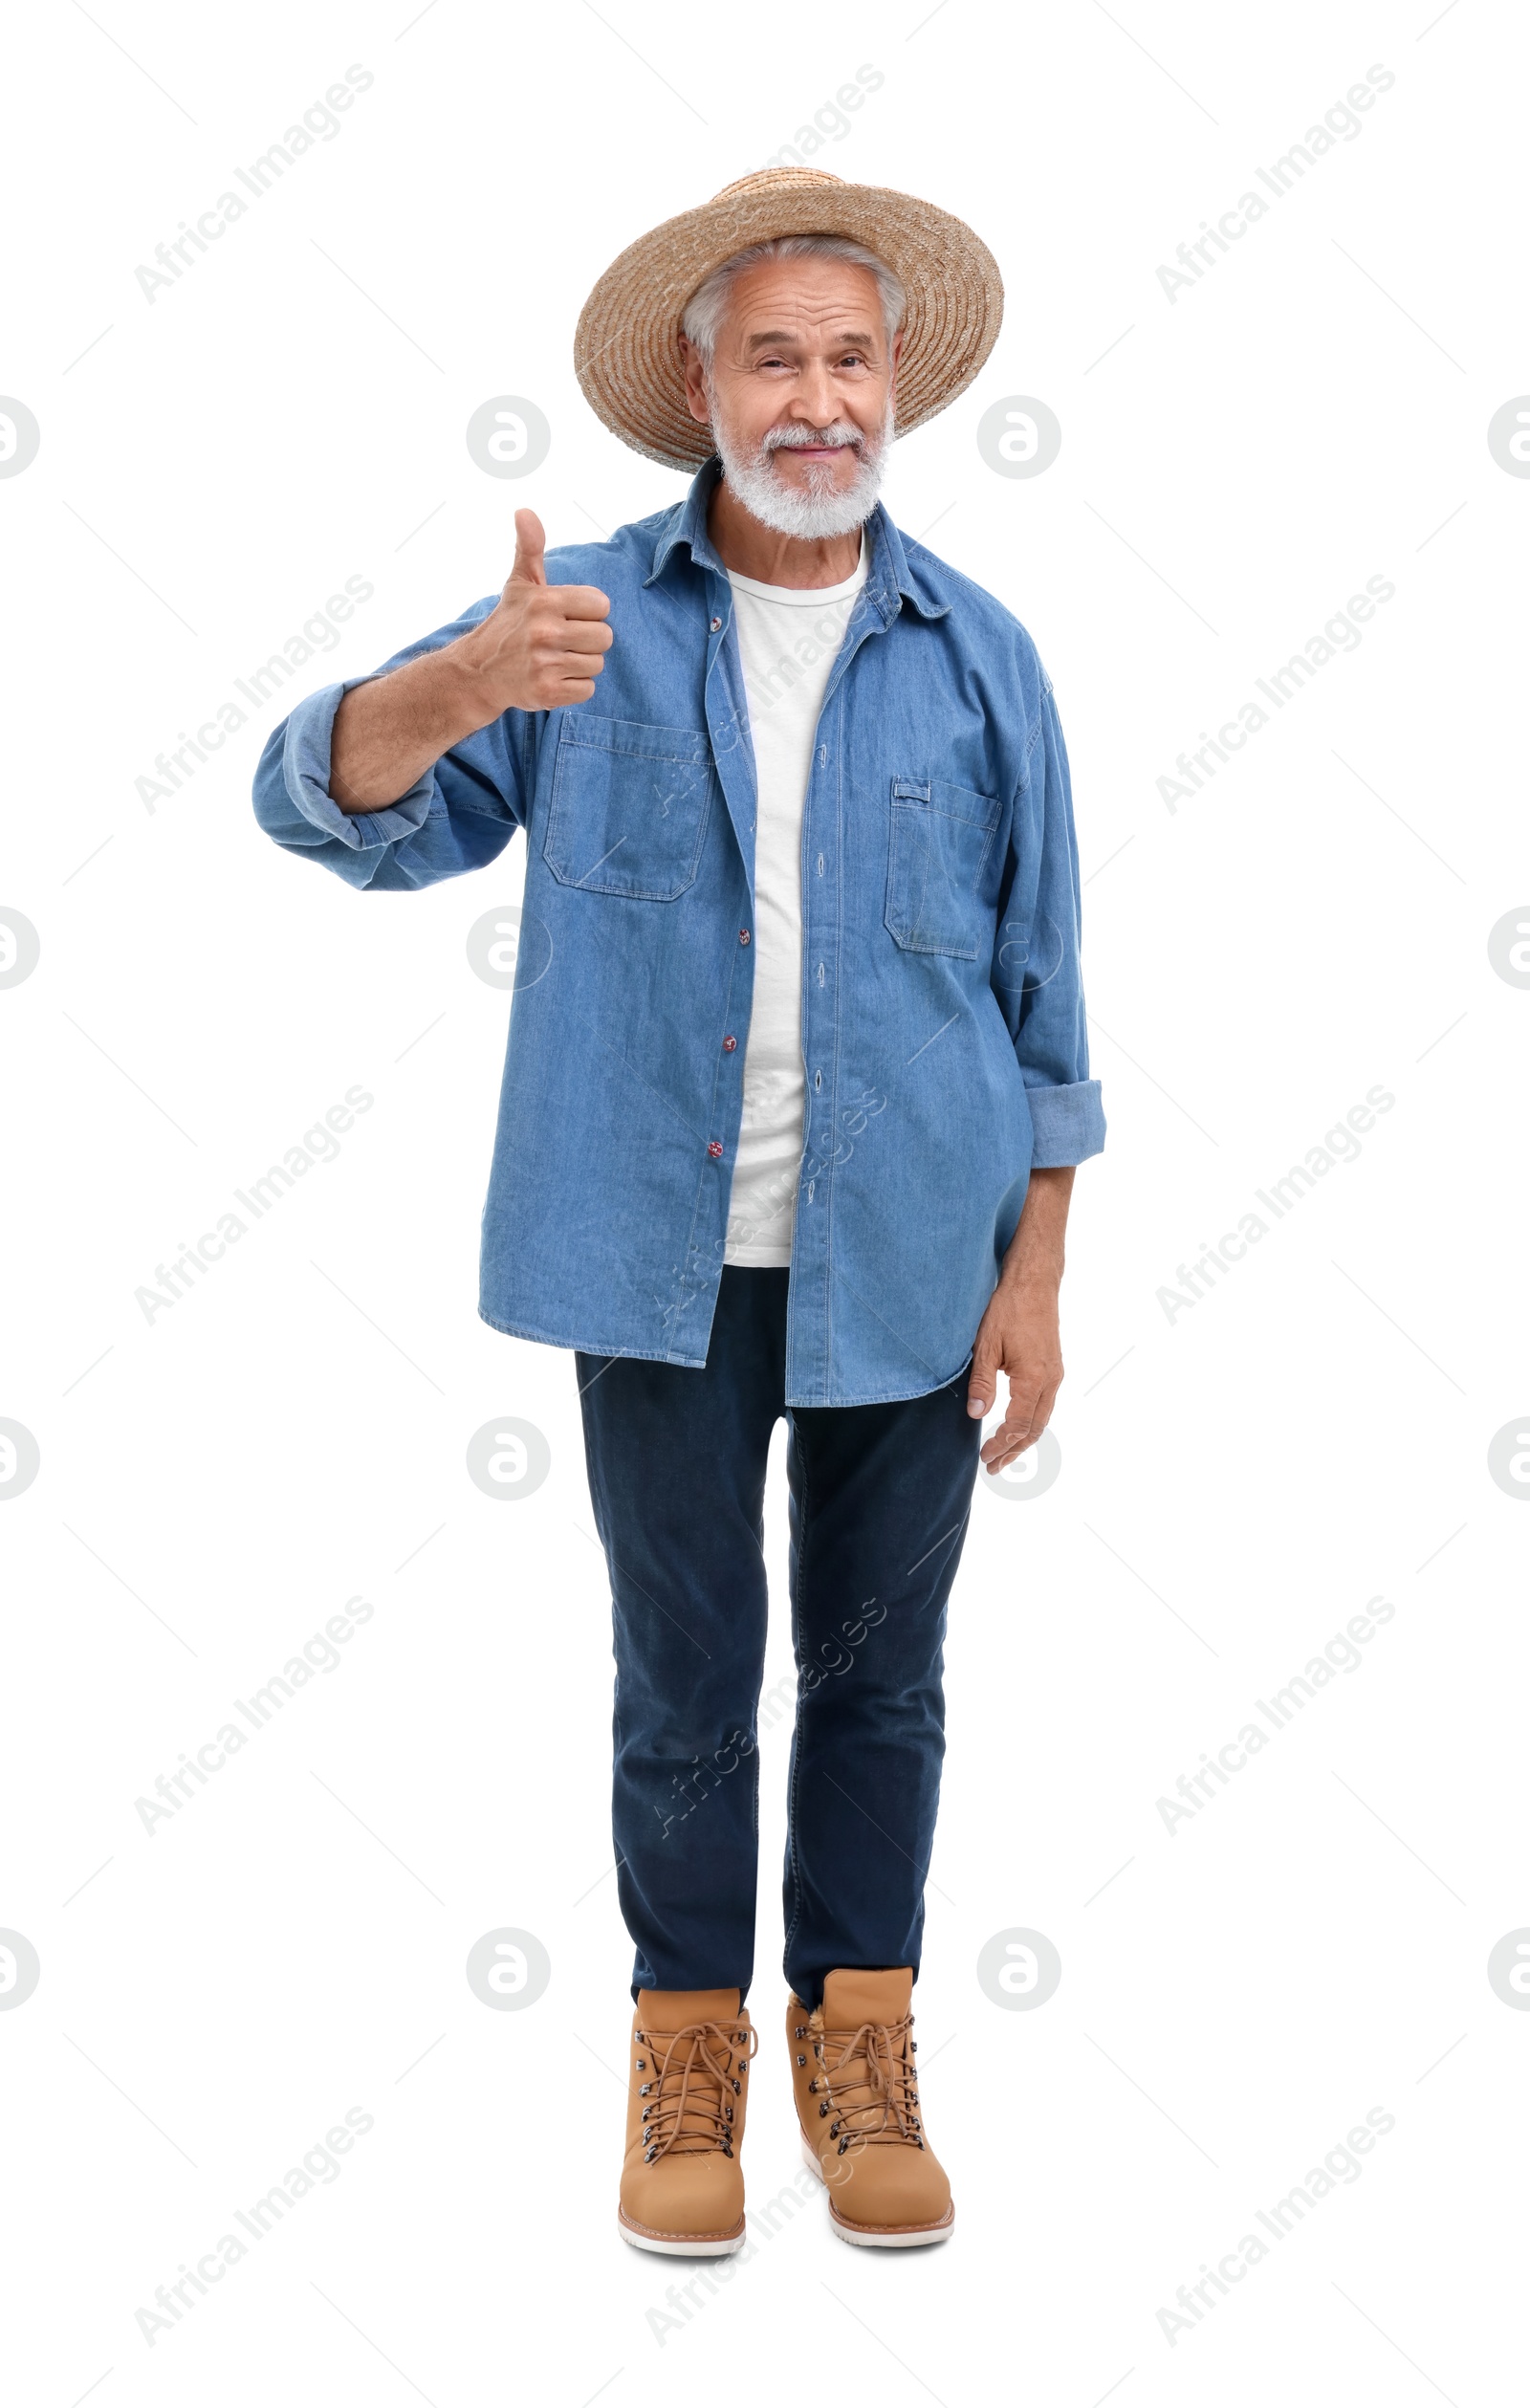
[(814, 451)]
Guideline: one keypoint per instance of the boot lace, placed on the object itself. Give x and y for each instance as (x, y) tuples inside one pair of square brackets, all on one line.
[(870, 2086), (693, 2078)]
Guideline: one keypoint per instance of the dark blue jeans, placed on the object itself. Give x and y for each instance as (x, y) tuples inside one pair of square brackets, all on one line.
[(879, 1500)]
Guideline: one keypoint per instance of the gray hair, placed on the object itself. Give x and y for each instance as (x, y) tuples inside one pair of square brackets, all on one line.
[(701, 321)]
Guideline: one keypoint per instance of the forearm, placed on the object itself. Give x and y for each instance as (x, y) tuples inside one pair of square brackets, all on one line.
[(392, 729), (1035, 1255)]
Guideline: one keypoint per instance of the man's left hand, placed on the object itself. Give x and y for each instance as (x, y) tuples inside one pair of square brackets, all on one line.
[(1019, 1333), (1019, 1336)]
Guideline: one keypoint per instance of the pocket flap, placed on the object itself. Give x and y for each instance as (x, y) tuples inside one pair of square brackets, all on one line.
[(953, 802), (630, 735)]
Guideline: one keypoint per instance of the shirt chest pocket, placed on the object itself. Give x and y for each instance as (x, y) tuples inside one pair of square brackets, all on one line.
[(628, 808), (938, 848)]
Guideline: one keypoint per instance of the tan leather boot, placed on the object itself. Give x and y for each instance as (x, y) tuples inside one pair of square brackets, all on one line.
[(858, 2103), (681, 2183)]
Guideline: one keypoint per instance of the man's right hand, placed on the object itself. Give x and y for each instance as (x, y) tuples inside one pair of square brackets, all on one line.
[(540, 648)]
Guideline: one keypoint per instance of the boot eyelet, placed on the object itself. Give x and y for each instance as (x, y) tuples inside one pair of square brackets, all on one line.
[(824, 2111), (801, 2061), (642, 2067)]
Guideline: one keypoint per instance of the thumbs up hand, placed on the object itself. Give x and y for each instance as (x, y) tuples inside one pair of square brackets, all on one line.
[(542, 646)]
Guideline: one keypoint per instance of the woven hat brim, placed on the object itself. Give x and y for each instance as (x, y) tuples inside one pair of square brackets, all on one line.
[(626, 354)]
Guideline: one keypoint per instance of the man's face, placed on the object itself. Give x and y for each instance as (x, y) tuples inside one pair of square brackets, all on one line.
[(799, 395)]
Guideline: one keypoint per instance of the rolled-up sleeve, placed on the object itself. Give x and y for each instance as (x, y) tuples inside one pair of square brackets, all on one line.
[(458, 816), (1038, 976)]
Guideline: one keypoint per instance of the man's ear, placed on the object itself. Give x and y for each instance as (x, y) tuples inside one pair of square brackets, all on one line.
[(894, 355), (695, 369)]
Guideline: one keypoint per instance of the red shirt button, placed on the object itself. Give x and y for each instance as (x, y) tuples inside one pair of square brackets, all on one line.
[(715, 626), (730, 1044), (743, 936), (714, 1148)]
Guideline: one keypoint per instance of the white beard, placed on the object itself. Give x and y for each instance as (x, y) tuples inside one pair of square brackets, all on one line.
[(816, 510)]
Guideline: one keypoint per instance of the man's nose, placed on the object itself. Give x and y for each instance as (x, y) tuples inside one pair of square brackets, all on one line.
[(815, 396)]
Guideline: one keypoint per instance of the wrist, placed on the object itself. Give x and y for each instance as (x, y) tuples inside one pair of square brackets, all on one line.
[(466, 696), (1035, 1275)]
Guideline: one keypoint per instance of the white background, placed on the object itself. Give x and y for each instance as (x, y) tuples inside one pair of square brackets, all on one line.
[(1235, 1483)]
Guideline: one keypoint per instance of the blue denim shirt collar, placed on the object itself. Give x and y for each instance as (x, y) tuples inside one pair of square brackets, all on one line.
[(890, 580)]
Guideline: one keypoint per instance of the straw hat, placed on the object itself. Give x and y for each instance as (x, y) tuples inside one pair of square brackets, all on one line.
[(626, 354)]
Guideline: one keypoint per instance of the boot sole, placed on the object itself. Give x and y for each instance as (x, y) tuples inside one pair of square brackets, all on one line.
[(874, 2236), (672, 2244)]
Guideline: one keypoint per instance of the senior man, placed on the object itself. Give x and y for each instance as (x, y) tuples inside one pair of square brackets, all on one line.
[(796, 1085)]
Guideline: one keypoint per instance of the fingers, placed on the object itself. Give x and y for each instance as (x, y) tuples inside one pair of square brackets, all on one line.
[(584, 604), (580, 666), (571, 615), (544, 644), (1004, 1448), (561, 678), (581, 635), (1029, 1411), (583, 601), (1011, 1438), (531, 544)]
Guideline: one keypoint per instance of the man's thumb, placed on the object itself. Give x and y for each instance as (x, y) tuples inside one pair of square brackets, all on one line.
[(982, 1381), (530, 545)]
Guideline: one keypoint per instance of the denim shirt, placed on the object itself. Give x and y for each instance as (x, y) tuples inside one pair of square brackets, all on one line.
[(943, 1023)]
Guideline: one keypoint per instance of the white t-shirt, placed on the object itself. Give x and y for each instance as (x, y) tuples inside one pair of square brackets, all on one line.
[(788, 641)]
